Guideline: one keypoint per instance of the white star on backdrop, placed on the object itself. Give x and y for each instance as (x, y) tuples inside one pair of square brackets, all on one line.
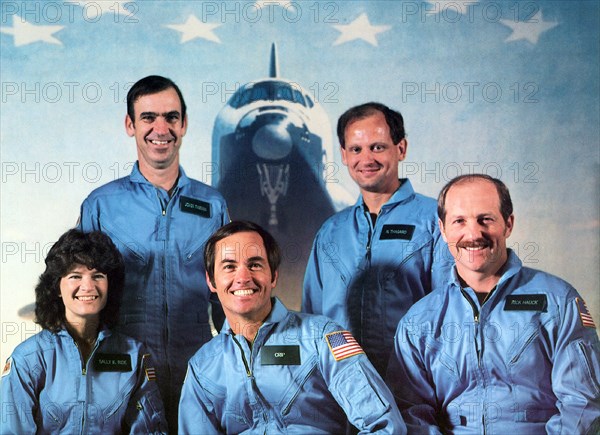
[(360, 28), (461, 6), (529, 30), (25, 33), (194, 28)]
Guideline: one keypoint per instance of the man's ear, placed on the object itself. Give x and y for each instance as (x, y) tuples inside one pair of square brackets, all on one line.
[(184, 125), (441, 225), (211, 285), (343, 153), (274, 280), (402, 148), (510, 222), (129, 126)]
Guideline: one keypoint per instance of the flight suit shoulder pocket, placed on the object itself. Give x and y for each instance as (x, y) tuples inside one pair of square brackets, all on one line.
[(358, 396), (586, 355), (150, 417)]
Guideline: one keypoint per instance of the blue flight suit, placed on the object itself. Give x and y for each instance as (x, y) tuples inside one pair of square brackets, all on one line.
[(161, 237), (47, 388), (526, 361), (288, 381), (365, 277)]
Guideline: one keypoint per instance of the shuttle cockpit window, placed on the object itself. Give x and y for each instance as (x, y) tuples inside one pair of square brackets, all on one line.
[(309, 101), (283, 92), (298, 98), (268, 91)]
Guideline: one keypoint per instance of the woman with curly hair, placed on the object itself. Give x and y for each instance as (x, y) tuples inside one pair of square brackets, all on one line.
[(77, 375)]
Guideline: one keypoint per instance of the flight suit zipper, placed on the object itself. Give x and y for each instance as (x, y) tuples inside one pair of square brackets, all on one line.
[(164, 207), (369, 236), (476, 319), (84, 370), (246, 366)]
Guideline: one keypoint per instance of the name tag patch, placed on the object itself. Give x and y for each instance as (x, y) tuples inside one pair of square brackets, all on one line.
[(526, 303), (280, 355), (112, 362), (397, 232), (194, 206)]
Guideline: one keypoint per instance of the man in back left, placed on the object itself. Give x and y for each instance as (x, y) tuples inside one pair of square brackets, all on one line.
[(160, 219)]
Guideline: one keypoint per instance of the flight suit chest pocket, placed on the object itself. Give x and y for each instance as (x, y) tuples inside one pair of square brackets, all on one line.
[(333, 259), (300, 375), (133, 251)]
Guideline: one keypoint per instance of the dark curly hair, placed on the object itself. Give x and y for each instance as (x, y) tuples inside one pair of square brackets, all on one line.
[(94, 250)]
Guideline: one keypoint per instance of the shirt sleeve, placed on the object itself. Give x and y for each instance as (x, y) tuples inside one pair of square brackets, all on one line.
[(408, 378), (356, 385), (313, 288), (20, 401), (196, 411), (86, 221), (145, 411), (576, 372), (442, 261)]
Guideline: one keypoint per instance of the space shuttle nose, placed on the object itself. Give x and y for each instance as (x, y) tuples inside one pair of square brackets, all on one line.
[(272, 142)]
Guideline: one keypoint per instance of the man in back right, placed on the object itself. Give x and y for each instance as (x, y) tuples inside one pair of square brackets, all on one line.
[(373, 260), (500, 348)]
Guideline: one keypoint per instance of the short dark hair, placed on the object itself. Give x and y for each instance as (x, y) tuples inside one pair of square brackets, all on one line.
[(506, 206), (152, 85), (94, 250), (393, 119), (273, 251)]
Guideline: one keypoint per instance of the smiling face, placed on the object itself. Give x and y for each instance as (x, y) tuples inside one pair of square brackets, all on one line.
[(475, 230), (84, 292), (242, 278), (158, 129), (371, 156)]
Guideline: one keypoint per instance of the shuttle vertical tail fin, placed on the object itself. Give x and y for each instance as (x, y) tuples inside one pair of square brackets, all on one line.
[(273, 66)]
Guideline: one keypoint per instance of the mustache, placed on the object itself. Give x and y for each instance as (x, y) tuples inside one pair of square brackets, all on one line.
[(479, 243)]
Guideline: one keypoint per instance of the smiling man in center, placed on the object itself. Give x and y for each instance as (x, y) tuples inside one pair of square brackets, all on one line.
[(272, 370)]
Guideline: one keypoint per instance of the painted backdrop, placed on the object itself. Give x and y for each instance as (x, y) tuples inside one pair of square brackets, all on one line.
[(509, 88)]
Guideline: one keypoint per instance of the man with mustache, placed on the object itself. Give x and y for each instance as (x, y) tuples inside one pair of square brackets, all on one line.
[(500, 348), (160, 219), (372, 261)]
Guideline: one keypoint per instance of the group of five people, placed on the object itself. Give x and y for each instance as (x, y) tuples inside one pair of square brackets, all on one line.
[(394, 335)]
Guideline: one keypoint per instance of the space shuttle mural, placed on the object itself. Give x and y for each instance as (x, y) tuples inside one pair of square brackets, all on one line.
[(273, 145)]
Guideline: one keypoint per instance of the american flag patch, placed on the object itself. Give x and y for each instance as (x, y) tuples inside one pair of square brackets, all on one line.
[(342, 345), (7, 366), (151, 374), (584, 314)]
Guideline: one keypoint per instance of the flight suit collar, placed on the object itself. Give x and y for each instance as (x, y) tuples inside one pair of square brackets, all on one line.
[(137, 177), (403, 193), (102, 334), (512, 266), (278, 313)]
